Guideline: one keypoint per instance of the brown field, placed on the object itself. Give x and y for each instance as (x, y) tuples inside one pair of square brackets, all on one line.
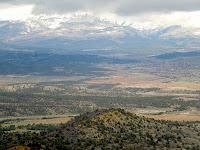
[(176, 117), (22, 121), (143, 80), (16, 79)]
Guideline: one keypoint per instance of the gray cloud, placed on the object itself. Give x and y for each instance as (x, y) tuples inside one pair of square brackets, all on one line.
[(119, 7), (142, 6)]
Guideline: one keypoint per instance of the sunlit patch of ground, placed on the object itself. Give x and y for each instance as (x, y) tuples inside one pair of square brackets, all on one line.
[(176, 117), (15, 79), (52, 88), (23, 121), (192, 114), (149, 110), (20, 148), (143, 80)]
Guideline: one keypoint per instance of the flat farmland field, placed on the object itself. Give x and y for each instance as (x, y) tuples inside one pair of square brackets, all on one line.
[(32, 124), (176, 117)]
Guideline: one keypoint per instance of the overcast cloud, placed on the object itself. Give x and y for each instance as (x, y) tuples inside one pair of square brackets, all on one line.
[(119, 7), (140, 13)]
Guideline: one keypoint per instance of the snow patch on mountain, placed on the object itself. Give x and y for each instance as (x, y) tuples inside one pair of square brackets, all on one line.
[(89, 32)]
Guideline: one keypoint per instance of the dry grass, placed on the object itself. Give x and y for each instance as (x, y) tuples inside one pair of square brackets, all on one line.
[(143, 80), (20, 148), (176, 117), (38, 120)]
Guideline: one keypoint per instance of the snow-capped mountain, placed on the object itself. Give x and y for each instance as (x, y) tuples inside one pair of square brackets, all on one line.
[(91, 33)]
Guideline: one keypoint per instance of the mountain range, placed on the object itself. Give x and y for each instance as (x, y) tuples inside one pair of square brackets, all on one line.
[(87, 33)]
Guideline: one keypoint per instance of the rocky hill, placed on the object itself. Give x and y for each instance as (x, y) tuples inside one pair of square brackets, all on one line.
[(112, 129)]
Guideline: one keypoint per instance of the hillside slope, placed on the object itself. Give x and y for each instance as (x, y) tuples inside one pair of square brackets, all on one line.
[(114, 129)]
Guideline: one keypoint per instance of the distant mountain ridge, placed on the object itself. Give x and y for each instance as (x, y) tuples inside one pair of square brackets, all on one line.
[(18, 62), (174, 55), (60, 34)]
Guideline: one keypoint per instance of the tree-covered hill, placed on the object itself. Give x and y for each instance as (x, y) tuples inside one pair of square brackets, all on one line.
[(111, 129)]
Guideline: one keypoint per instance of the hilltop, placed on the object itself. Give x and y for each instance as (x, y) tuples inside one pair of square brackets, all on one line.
[(113, 129)]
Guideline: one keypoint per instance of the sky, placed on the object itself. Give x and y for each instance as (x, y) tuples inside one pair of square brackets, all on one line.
[(139, 13)]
